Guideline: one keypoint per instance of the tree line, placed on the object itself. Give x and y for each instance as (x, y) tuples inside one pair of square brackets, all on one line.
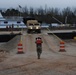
[(47, 15)]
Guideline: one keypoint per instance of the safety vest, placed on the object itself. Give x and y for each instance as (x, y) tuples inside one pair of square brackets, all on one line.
[(38, 41)]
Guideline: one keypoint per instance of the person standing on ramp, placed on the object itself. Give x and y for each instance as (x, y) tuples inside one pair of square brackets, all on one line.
[(39, 46)]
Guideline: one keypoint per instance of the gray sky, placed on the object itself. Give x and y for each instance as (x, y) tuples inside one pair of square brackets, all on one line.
[(38, 3)]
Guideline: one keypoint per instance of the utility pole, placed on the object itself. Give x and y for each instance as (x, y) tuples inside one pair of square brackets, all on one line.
[(20, 15), (20, 9)]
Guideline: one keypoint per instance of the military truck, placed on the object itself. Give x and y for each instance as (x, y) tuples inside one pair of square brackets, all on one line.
[(32, 25)]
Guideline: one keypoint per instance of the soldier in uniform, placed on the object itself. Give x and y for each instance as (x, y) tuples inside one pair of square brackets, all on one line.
[(39, 46)]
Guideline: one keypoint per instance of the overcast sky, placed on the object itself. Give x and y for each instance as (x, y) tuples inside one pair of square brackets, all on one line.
[(37, 3)]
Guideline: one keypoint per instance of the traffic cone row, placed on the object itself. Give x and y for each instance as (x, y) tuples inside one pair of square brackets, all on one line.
[(20, 47)]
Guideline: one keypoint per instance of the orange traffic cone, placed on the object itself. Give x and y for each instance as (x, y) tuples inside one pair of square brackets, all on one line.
[(62, 47), (20, 48)]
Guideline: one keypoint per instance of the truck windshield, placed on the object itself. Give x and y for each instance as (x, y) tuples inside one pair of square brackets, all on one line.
[(30, 24), (36, 24)]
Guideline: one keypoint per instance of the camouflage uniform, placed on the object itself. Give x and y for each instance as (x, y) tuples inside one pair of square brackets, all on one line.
[(39, 46)]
